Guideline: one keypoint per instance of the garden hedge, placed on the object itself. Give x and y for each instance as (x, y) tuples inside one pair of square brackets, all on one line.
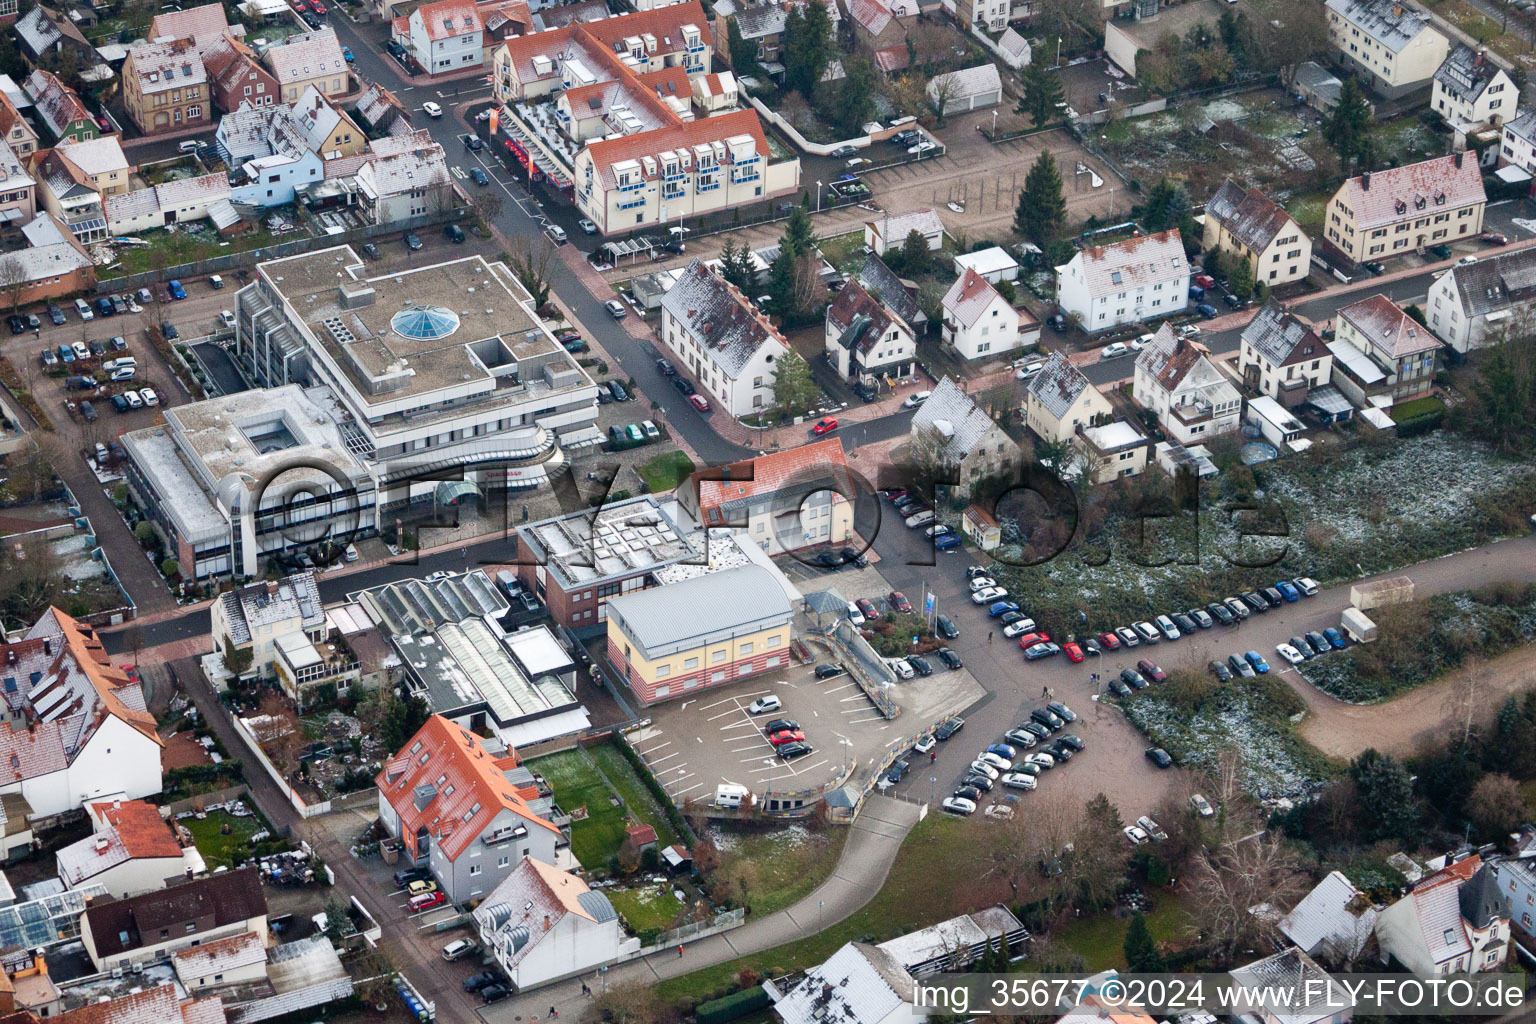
[(733, 1006)]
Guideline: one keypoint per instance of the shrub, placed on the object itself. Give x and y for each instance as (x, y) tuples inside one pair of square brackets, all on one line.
[(732, 1007)]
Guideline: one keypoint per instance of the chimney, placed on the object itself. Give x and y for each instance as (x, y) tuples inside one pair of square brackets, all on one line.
[(271, 588), (1477, 61), (546, 922), (1458, 160), (1365, 182), (48, 646)]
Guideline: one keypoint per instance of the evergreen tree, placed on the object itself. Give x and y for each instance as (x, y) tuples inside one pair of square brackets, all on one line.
[(855, 96), (743, 54), (781, 283), (1385, 794), (736, 266), (798, 236), (807, 47), (1348, 128), (1241, 278), (1042, 210), (1141, 954), (916, 257), (1042, 91), (1167, 204), (1505, 397)]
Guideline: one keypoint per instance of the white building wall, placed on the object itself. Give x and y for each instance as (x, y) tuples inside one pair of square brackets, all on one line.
[(140, 874), (996, 332), (117, 759), (572, 945)]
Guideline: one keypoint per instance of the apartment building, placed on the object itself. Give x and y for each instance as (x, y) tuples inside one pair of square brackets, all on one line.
[(1517, 142), (443, 37), (730, 347), (1395, 47), (955, 433), (152, 926), (1377, 215), (165, 87), (253, 619), (1246, 224), (782, 501), (1485, 302), (1141, 278), (236, 76), (1192, 400), (404, 176), (1381, 352), (1471, 89), (309, 59)]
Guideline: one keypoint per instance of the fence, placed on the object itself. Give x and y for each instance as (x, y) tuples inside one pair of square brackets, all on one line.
[(866, 666), (308, 243), (197, 803)]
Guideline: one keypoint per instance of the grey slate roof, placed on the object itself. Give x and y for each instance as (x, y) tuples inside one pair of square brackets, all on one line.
[(1522, 127), (1391, 23), (1252, 217), (1481, 901), (720, 320), (1278, 336), (1058, 385), (875, 276), (687, 613), (1493, 284), (1334, 916), (1313, 993), (762, 20), (1465, 73), (967, 424)]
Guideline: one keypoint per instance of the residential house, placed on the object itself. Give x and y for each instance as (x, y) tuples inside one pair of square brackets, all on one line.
[(448, 801), (236, 960), (722, 339), (1282, 357), (175, 202), (52, 264), (542, 924), (737, 626), (236, 76), (1318, 87), (46, 31), (1381, 353), (131, 850), (898, 295), (1246, 224), (762, 26), (309, 59), (1517, 143), (955, 92), (858, 984), (1176, 381), (383, 112), (1141, 278), (715, 93), (782, 501), (1105, 452), (1485, 302), (253, 618), (890, 232), (406, 176), (98, 162), (159, 1003), (67, 194), (585, 111), (1333, 922), (165, 87), (326, 129), (993, 264), (151, 926), (503, 21), (60, 108), (978, 322), (1059, 399), (1396, 48), (1516, 882), (1471, 89), (26, 985), (951, 433), (1290, 988), (14, 129), (444, 37), (275, 154), (18, 192), (205, 25), (1381, 214), (882, 23), (865, 340), (1454, 921)]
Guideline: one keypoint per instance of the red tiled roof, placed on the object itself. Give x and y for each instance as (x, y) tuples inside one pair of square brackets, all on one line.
[(640, 834), (143, 831), (891, 59), (665, 23), (1388, 328), (764, 474), (449, 19), (468, 789), (1443, 183), (607, 152), (969, 297), (104, 676)]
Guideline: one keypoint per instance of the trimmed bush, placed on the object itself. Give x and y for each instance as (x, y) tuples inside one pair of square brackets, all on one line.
[(733, 1007)]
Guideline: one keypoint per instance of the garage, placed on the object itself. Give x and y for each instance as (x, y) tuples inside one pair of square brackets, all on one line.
[(967, 89)]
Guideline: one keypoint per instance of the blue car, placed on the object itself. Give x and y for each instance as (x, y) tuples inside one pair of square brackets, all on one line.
[(1334, 637), (1002, 608), (1256, 659), (66, 354), (346, 54), (1002, 750), (177, 291), (1288, 590), (948, 542), (1206, 310), (478, 176)]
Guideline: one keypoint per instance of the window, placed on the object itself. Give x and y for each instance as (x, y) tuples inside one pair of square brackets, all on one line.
[(774, 641), (717, 677), (474, 870), (716, 657), (662, 671)]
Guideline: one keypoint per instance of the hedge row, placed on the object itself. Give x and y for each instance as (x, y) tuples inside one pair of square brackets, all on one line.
[(643, 770), (733, 1006)]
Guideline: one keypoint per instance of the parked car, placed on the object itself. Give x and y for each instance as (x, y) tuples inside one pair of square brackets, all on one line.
[(616, 309), (1114, 350), (1135, 680), (946, 628), (825, 425), (1159, 757), (1206, 310), (56, 314), (1222, 613), (1151, 670), (411, 241), (1061, 711), (1290, 653), (1240, 666), (1256, 659), (950, 659), (1128, 636), (699, 402), (1306, 585), (1219, 670), (459, 948), (1201, 806), (1335, 638), (958, 805), (763, 705), (478, 981), (177, 291)]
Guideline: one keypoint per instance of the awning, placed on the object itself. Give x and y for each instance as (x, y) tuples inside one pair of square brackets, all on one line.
[(1512, 174), (1329, 400), (448, 492)]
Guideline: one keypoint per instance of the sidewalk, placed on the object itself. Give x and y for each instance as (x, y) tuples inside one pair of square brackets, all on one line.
[(873, 840)]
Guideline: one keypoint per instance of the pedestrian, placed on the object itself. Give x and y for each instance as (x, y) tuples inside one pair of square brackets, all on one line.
[(553, 1013), (933, 757), (679, 950), (1045, 691), (989, 639)]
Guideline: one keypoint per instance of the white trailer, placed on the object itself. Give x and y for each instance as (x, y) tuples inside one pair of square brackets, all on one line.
[(1380, 593), (1357, 626)]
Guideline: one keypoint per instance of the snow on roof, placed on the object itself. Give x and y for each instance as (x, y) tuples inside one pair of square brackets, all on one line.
[(1279, 337), (1133, 263), (203, 25), (307, 56), (1389, 330), (1466, 73), (1251, 217), (968, 425), (968, 83), (1335, 918), (858, 984), (448, 19), (1391, 23), (719, 319), (57, 102), (896, 229), (992, 260), (1429, 186), (1058, 385), (969, 297)]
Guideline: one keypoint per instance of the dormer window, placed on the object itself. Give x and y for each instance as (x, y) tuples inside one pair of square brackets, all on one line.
[(1419, 204)]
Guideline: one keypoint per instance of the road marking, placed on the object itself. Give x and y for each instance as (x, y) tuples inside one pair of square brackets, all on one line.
[(876, 718), (659, 760), (647, 753), (690, 789)]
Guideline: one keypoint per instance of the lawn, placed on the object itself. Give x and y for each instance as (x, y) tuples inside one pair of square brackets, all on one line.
[(651, 907), (582, 778), (666, 471), (218, 849), (171, 250), (1308, 209), (1100, 939), (786, 863), (940, 871), (1404, 411)]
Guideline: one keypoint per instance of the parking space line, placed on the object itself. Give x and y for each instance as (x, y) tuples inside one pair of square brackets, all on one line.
[(875, 718), (659, 760), (648, 753), (734, 699), (690, 789)]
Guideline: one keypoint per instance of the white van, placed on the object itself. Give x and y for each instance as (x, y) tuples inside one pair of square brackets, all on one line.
[(730, 795), (190, 146), (119, 363)]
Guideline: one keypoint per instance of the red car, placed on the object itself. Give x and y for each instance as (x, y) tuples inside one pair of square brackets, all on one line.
[(133, 673), (317, 7), (302, 6), (1073, 652), (787, 736), (1493, 238), (430, 900), (825, 425), (1151, 671), (699, 402), (1109, 641), (1205, 281), (1029, 640), (867, 609), (899, 601)]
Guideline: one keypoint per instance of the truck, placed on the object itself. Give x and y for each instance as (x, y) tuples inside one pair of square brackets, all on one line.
[(1380, 593), (1357, 626)]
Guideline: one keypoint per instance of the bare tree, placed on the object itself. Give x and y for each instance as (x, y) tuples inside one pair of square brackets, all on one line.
[(13, 280), (941, 94), (1230, 880), (627, 1002), (487, 204), (530, 258), (1071, 20), (31, 578)]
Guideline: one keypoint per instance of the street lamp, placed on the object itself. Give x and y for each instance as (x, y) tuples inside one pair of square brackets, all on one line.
[(994, 125), (818, 197)]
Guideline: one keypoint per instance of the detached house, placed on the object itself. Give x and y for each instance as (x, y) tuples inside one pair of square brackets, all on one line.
[(204, 25), (1192, 399), (404, 176), (1395, 47), (1516, 878), (1334, 921), (1060, 399), (443, 37), (1282, 357), (1454, 921), (236, 77), (131, 850), (14, 129), (1138, 279), (866, 340), (1517, 144), (1471, 89), (450, 804), (257, 618), (310, 59), (1381, 214), (1290, 988), (726, 344), (1381, 353), (978, 322), (67, 193), (785, 500), (1246, 224), (952, 432), (542, 924), (1487, 301), (60, 108), (165, 87)]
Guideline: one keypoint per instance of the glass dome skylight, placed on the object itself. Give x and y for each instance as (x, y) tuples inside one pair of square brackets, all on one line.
[(424, 323)]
